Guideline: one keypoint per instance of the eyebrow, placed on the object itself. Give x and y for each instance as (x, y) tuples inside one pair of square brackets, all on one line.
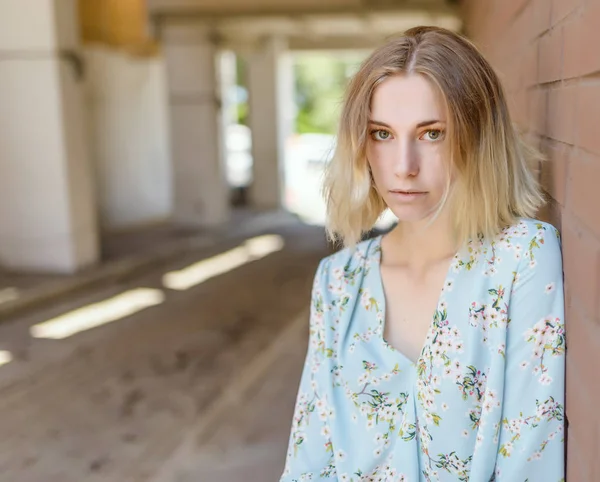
[(419, 125)]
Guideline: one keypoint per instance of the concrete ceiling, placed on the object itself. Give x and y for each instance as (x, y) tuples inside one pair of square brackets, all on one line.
[(329, 31), (214, 8), (308, 24)]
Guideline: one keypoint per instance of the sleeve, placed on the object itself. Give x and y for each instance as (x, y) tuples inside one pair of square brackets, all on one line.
[(310, 453), (532, 428)]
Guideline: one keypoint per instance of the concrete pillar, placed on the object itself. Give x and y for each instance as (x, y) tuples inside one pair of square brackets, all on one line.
[(271, 105), (128, 120), (201, 194), (47, 205)]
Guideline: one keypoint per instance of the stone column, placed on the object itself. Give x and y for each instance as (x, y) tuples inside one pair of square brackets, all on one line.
[(201, 194), (270, 82), (47, 203)]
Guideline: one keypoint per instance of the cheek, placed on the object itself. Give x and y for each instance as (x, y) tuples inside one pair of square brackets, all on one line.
[(435, 167), (376, 156), (371, 153)]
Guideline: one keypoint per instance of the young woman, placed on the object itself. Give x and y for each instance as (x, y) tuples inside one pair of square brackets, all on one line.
[(436, 351)]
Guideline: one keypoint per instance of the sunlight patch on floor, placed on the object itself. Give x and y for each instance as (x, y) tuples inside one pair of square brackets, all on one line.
[(5, 357), (250, 250), (98, 314), (8, 294), (132, 301)]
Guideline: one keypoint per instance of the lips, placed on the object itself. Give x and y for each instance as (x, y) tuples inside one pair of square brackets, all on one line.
[(408, 191)]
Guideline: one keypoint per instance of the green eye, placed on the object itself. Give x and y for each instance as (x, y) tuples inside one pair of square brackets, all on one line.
[(434, 134), (380, 135)]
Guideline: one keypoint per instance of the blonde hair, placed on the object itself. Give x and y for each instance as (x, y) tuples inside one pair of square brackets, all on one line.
[(494, 184)]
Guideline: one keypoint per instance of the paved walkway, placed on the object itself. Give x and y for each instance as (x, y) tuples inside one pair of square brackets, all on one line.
[(134, 400), (246, 436), (128, 254)]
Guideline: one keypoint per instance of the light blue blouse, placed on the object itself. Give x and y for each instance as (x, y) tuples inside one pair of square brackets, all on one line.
[(485, 400)]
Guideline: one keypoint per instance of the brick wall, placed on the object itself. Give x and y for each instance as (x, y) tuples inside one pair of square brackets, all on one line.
[(548, 55)]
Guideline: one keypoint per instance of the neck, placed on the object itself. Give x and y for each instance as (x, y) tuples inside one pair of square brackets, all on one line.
[(419, 245)]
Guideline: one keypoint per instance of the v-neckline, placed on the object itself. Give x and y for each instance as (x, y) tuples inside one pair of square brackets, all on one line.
[(381, 296)]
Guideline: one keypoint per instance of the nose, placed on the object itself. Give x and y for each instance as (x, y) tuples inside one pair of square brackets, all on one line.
[(407, 160)]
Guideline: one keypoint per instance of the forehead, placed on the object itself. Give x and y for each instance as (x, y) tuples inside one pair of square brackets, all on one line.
[(407, 99)]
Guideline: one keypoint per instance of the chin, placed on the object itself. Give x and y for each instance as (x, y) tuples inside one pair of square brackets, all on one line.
[(411, 214)]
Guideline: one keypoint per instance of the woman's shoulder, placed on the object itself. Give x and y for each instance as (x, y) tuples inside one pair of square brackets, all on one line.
[(525, 243), (515, 248), (525, 237), (350, 261), (535, 227), (530, 237)]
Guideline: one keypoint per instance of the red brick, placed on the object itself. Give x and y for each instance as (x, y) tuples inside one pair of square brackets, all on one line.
[(529, 65), (583, 348), (476, 23), (518, 107), (487, 29), (470, 12), (582, 36), (589, 38), (582, 185), (505, 72), (583, 424), (551, 212), (577, 469), (571, 49), (538, 110), (533, 139), (541, 17), (505, 13), (581, 255), (554, 169), (550, 67), (514, 9), (562, 8), (517, 37), (562, 104), (588, 115)]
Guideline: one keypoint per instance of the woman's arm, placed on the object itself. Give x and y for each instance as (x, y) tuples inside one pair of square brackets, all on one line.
[(310, 454), (531, 444)]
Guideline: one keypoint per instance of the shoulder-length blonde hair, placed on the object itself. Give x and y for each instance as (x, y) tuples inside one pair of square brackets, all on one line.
[(493, 182)]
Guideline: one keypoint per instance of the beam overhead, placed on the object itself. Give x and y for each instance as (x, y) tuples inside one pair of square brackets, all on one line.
[(216, 9)]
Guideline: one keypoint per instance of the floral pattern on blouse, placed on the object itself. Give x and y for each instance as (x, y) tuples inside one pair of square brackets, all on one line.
[(485, 399)]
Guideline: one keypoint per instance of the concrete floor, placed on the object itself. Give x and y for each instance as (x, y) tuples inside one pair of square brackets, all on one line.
[(245, 438), (200, 387)]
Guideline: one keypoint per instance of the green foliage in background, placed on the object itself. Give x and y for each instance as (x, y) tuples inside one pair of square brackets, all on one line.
[(321, 79), (242, 113), (241, 107)]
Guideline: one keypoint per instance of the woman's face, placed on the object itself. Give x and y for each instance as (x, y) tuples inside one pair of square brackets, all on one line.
[(407, 147)]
